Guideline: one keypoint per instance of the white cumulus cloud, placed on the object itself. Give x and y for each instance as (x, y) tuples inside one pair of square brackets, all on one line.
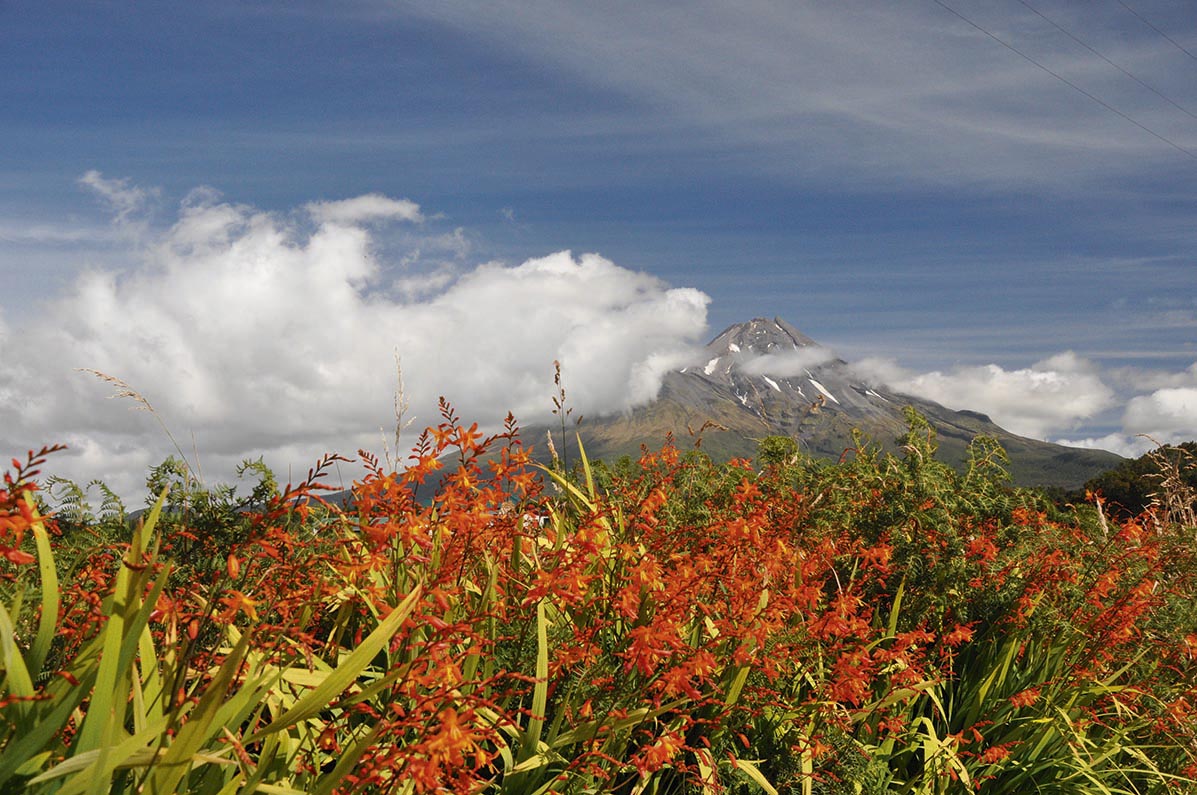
[(1060, 394), (252, 334), (1163, 416), (1049, 396), (1170, 413)]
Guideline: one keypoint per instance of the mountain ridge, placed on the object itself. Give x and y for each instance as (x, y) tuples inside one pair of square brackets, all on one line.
[(765, 377)]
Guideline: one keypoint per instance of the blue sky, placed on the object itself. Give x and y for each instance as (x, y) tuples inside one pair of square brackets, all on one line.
[(887, 177)]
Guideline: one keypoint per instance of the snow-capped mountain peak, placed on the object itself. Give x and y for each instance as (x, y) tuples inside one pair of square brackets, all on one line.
[(760, 336), (765, 377)]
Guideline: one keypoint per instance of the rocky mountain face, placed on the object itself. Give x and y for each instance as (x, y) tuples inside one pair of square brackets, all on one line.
[(765, 377)]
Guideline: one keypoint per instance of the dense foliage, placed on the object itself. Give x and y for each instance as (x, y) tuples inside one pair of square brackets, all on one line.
[(475, 624), (1131, 487)]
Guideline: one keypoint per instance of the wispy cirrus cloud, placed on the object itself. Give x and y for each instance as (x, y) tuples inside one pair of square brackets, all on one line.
[(370, 208), (860, 93), (45, 234), (126, 200)]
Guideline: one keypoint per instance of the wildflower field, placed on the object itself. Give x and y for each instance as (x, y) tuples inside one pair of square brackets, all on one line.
[(474, 623)]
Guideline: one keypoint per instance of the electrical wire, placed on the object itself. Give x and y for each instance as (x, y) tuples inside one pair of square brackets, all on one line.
[(1093, 50), (1144, 20), (1187, 152)]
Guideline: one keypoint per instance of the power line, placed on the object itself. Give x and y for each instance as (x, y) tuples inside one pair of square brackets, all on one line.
[(1187, 152), (1145, 85), (1144, 20)]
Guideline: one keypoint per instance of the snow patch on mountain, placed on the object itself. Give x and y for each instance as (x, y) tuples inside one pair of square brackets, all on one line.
[(823, 389)]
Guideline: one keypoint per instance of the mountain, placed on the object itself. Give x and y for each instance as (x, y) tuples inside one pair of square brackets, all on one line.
[(765, 377)]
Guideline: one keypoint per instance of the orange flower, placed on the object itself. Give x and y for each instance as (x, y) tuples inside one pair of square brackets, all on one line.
[(16, 556), (467, 438), (237, 602), (852, 676), (994, 754), (1025, 699), (963, 633), (878, 557), (454, 741), (982, 549), (659, 753)]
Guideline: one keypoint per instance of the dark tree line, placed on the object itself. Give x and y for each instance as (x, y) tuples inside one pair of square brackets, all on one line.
[(1129, 488)]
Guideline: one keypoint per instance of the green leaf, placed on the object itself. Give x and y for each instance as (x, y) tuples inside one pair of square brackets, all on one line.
[(349, 669), (16, 675), (127, 615), (736, 686), (586, 469), (101, 712), (895, 612), (63, 699), (753, 774), (48, 622), (540, 691), (134, 751), (592, 729), (199, 728)]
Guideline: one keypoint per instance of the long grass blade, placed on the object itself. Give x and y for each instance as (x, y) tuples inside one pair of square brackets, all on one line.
[(118, 643), (16, 675), (895, 611), (199, 728), (63, 698), (754, 774), (540, 691), (596, 728), (586, 470), (349, 669), (135, 751), (48, 622)]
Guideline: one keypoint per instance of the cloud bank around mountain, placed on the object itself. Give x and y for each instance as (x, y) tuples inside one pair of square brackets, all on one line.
[(1056, 393), (787, 364), (257, 333), (1059, 395)]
